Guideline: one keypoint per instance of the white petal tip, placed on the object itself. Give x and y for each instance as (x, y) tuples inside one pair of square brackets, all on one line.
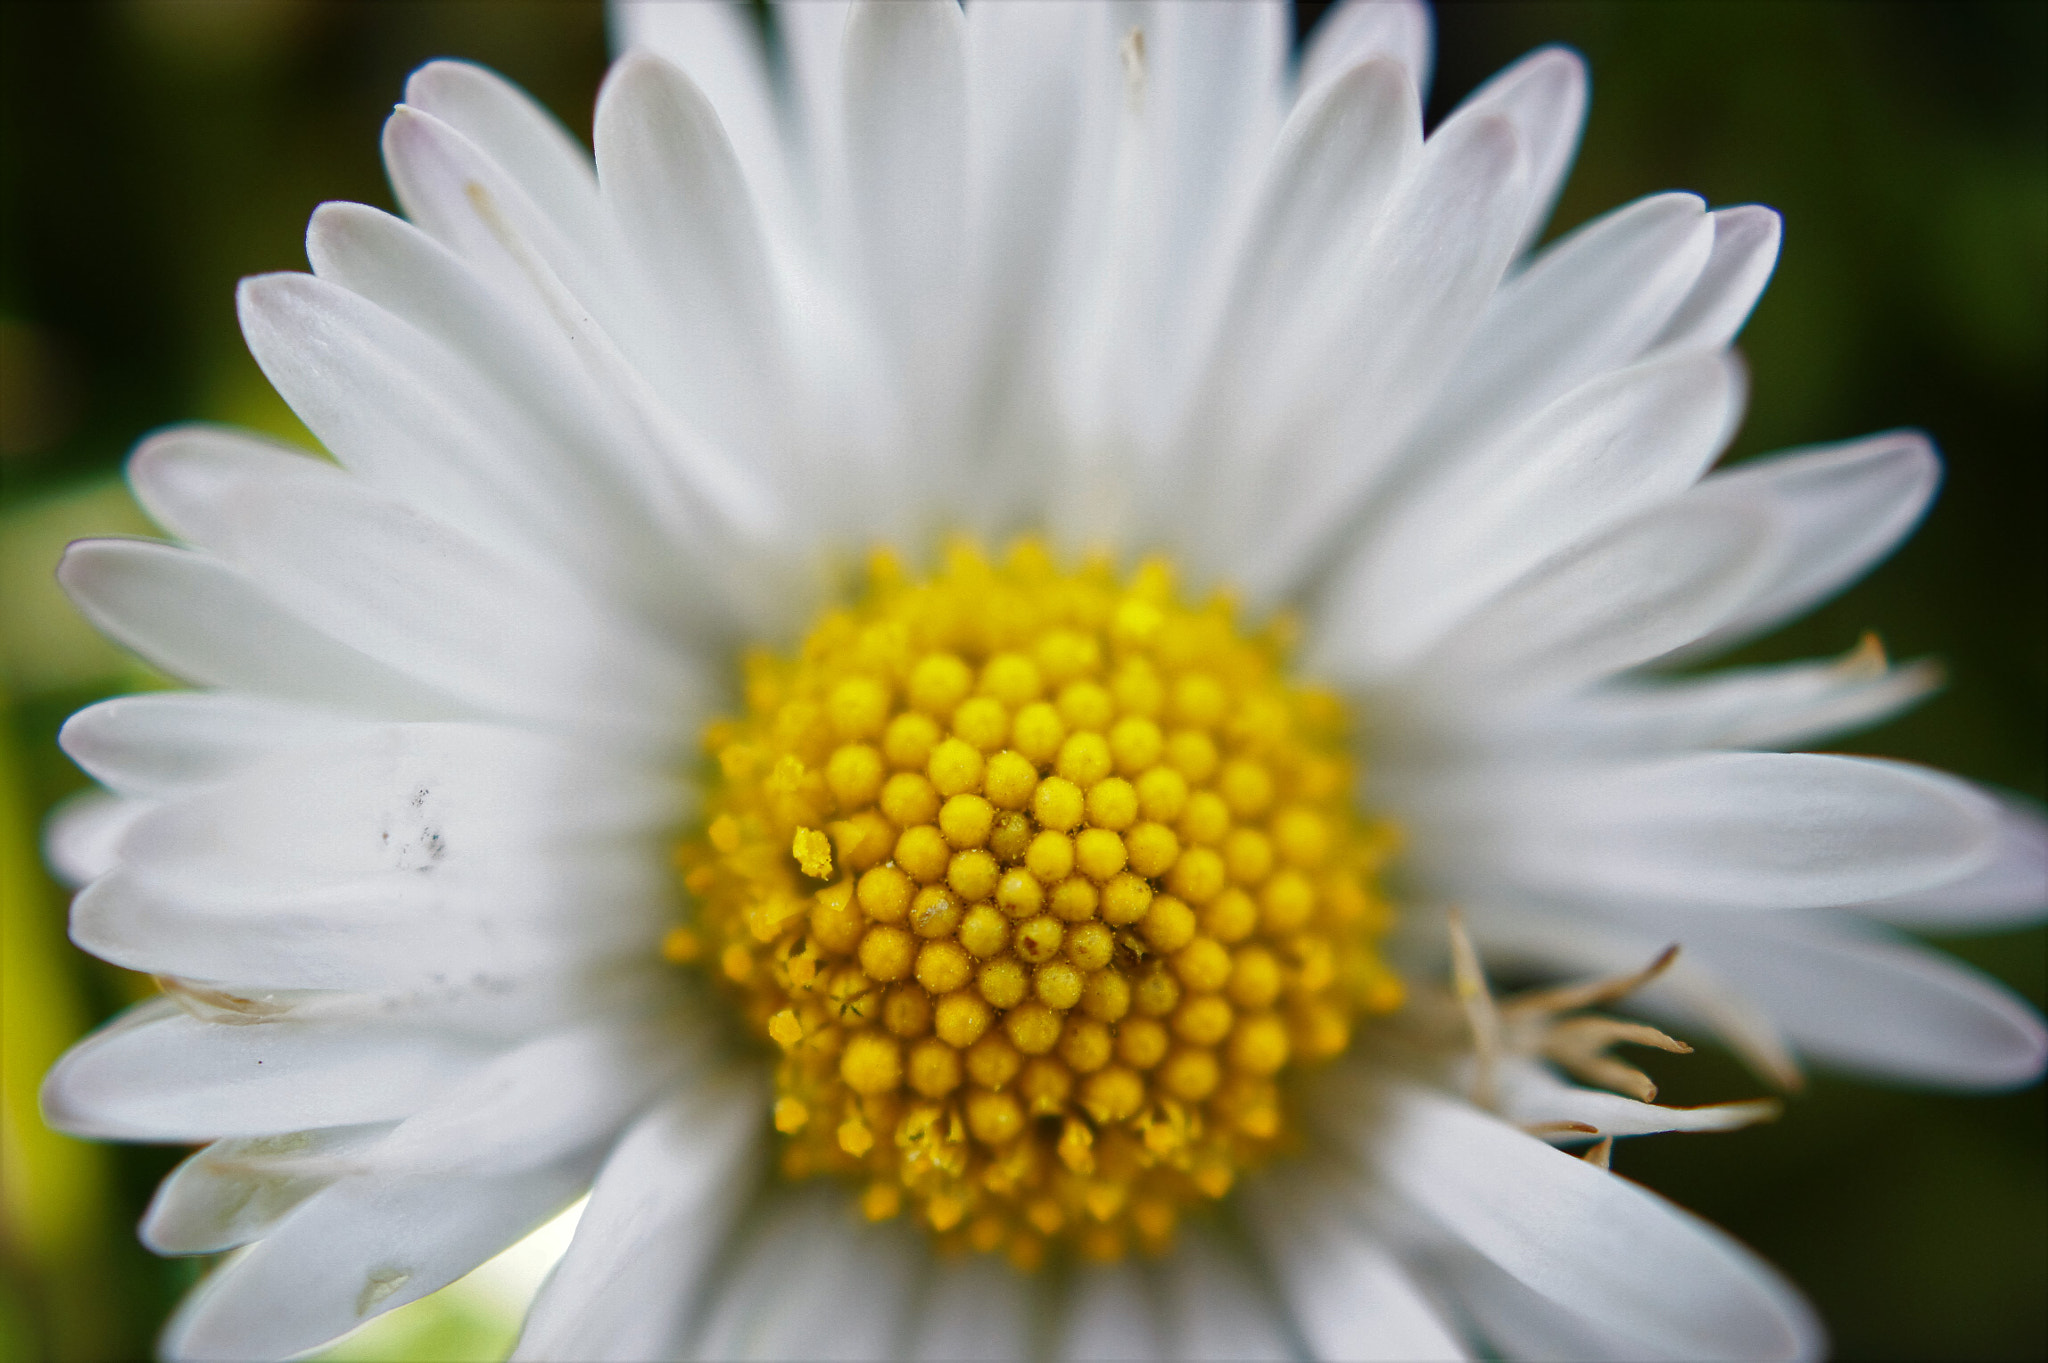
[(444, 77)]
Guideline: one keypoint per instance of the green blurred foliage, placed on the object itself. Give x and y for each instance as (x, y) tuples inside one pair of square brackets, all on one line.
[(154, 151)]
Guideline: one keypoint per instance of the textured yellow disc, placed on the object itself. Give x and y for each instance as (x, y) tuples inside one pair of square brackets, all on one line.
[(1040, 883)]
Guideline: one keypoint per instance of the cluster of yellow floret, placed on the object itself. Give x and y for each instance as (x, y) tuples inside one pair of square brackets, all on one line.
[(1038, 880)]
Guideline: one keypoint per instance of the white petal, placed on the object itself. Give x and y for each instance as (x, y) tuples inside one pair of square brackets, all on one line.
[(523, 918), (409, 591), (1584, 1238), (455, 191), (1747, 830), (525, 1126), (541, 434), (235, 1191), (83, 831), (407, 796), (477, 1005), (672, 179), (1745, 252), (539, 1101), (1527, 1327), (1351, 1297), (405, 415), (1846, 506), (533, 453), (1619, 444), (660, 1211), (1340, 391), (1359, 30), (1213, 85), (169, 743), (811, 37), (1544, 96), (1194, 95), (157, 1074), (974, 1308), (206, 622), (718, 44), (1530, 1096), (1853, 996), (1029, 79), (1588, 303), (1213, 1306), (416, 857), (1345, 149), (855, 1284), (1110, 1316), (516, 132), (1632, 593), (360, 1249), (458, 195), (2009, 889), (388, 262), (906, 160), (1787, 705), (464, 405), (1180, 106)]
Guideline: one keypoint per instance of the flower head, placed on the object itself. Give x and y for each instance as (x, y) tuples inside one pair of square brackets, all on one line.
[(1244, 506)]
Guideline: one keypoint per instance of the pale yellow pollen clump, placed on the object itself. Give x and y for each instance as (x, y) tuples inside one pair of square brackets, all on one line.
[(1038, 883)]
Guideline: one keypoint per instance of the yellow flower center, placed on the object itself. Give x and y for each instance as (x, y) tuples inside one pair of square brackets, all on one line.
[(1040, 881)]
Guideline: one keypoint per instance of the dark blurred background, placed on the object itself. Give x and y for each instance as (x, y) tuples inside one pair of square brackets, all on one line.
[(154, 151)]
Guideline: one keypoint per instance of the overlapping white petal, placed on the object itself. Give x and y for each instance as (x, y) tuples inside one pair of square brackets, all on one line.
[(719, 46), (420, 859), (409, 1208), (1745, 251), (1772, 707), (974, 1309), (170, 743), (411, 591), (1363, 363), (82, 833), (395, 933), (853, 1284), (1632, 593), (1588, 1242), (2010, 887), (1740, 831), (237, 1190), (1544, 96), (1846, 506), (1356, 32), (363, 1247), (1351, 1296), (669, 176), (1625, 442), (629, 1285), (570, 477), (1589, 304), (517, 133), (158, 1073), (1109, 1315), (200, 619), (1856, 996), (1214, 1305)]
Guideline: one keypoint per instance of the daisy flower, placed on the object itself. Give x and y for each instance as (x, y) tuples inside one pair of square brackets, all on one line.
[(911, 678)]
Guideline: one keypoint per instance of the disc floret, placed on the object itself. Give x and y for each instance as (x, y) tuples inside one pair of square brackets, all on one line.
[(1040, 881)]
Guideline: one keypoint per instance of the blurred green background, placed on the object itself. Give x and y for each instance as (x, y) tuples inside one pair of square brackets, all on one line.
[(154, 151)]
